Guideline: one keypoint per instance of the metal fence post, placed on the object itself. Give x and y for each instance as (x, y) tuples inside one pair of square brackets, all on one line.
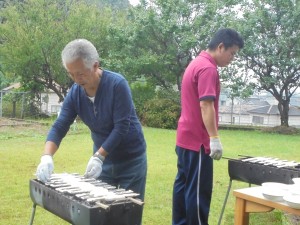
[(0, 103)]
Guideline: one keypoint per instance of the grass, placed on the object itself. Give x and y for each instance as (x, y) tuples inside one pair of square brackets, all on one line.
[(21, 147)]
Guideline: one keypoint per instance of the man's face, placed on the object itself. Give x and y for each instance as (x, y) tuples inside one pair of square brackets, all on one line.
[(226, 56), (79, 73)]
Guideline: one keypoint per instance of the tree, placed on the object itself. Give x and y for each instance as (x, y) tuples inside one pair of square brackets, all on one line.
[(236, 83), (114, 4), (4, 82), (161, 37), (271, 30), (34, 33)]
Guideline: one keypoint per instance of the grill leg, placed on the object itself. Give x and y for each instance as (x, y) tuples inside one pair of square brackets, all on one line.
[(225, 201), (32, 214)]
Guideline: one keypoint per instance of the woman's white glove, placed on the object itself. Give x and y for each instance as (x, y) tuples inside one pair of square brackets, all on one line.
[(45, 168), (216, 148), (94, 168)]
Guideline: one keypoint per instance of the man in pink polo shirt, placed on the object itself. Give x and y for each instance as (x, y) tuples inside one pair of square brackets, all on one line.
[(197, 142)]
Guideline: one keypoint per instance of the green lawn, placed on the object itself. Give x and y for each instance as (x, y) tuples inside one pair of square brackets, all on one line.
[(20, 150)]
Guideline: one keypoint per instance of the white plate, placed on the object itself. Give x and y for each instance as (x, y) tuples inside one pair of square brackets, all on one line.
[(294, 189), (296, 180), (292, 200), (273, 197), (274, 191), (275, 185)]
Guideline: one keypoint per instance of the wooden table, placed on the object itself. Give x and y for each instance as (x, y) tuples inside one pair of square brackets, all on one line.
[(249, 200)]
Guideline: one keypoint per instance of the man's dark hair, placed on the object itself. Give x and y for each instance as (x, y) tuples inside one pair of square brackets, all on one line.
[(228, 37)]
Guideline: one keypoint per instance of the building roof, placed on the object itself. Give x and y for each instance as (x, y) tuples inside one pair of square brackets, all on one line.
[(254, 105), (273, 110), (237, 109), (11, 87), (18, 85), (255, 101)]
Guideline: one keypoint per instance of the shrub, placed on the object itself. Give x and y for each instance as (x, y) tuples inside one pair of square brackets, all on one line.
[(141, 92), (282, 130), (161, 113)]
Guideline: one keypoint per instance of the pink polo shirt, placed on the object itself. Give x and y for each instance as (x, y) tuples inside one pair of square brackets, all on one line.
[(200, 81)]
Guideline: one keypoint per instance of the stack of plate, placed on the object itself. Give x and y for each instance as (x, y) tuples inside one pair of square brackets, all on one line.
[(292, 200), (293, 197), (296, 180), (274, 191), (279, 192)]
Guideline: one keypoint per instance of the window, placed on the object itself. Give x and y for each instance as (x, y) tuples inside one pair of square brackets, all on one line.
[(257, 120)]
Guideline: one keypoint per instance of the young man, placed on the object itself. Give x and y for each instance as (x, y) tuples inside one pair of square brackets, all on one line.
[(197, 142), (103, 101)]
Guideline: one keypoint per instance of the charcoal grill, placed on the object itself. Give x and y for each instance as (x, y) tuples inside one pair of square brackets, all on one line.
[(82, 201), (257, 170)]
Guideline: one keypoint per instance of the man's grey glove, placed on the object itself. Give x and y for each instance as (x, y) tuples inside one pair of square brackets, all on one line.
[(94, 168), (45, 168), (216, 148)]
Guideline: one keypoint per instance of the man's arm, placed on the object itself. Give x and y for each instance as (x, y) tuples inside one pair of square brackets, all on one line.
[(102, 151), (209, 117), (50, 148)]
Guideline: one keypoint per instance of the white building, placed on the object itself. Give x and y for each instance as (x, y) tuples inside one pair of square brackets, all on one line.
[(256, 112), (49, 103)]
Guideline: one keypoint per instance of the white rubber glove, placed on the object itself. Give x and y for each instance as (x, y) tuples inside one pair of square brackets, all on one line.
[(45, 168), (216, 148), (94, 168)]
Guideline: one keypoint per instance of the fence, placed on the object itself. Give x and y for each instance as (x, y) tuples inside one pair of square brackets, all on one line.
[(14, 104)]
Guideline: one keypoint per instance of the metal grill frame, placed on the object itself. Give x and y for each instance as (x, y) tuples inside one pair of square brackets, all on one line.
[(70, 209), (255, 173)]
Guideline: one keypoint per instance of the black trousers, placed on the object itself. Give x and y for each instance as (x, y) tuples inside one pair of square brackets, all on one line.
[(192, 187)]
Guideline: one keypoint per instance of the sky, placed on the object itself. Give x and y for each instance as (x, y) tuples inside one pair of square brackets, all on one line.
[(134, 2)]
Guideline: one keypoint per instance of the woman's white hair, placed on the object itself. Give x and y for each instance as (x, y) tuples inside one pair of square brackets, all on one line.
[(80, 49)]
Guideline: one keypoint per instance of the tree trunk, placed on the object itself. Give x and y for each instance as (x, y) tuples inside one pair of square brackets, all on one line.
[(284, 107)]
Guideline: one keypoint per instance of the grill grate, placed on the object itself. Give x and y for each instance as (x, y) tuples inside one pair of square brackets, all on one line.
[(81, 208), (257, 173)]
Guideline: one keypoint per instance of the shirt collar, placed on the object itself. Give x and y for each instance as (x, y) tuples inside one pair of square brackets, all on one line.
[(208, 56)]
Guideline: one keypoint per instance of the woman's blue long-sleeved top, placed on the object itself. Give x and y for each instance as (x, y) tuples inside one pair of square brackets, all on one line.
[(111, 118)]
